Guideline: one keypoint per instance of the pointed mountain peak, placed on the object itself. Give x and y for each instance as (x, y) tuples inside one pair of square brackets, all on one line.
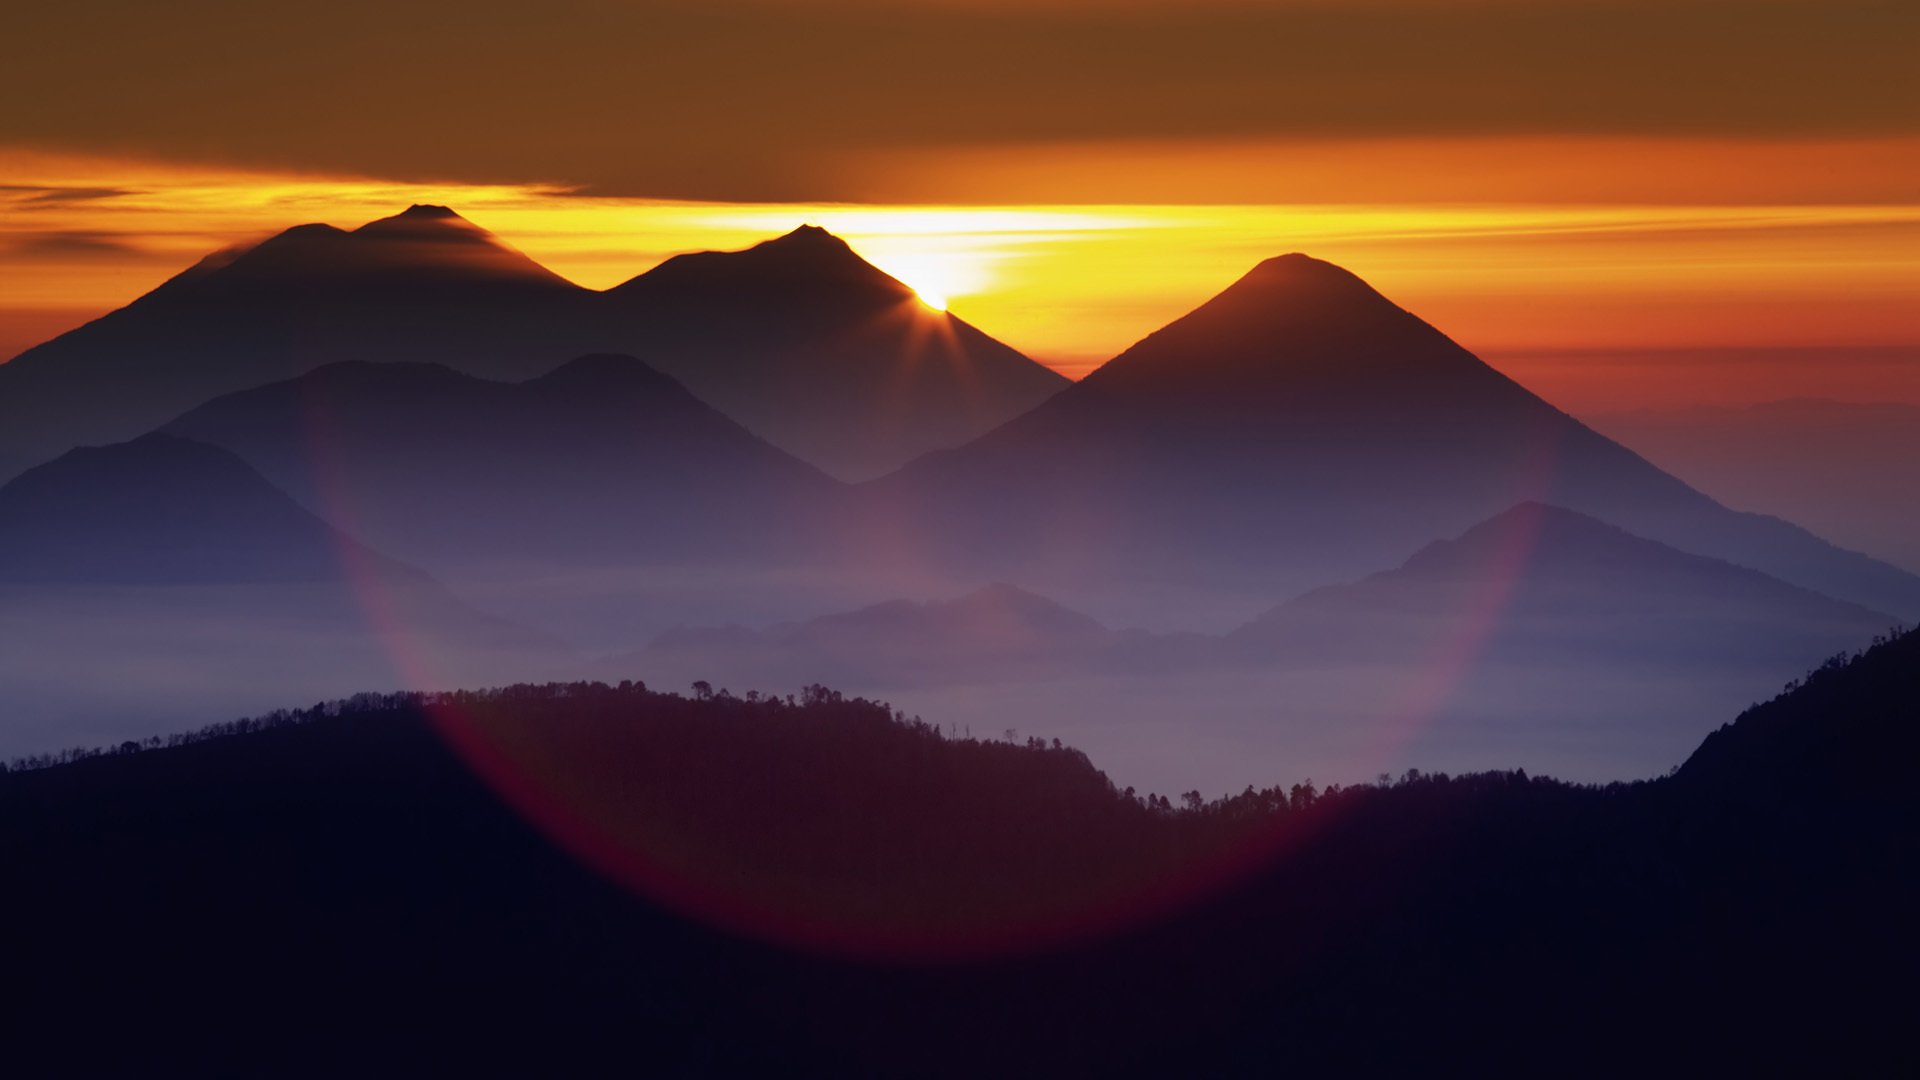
[(424, 221), (807, 259), (429, 212), (1535, 536), (1298, 329), (808, 236)]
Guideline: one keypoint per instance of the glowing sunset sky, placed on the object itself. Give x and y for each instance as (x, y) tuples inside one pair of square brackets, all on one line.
[(1734, 185)]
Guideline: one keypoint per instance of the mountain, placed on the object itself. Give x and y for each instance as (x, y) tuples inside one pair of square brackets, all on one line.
[(1298, 428), (1838, 467), (165, 511), (601, 460), (800, 339), (1541, 585), (162, 578), (997, 633), (823, 354), (422, 283)]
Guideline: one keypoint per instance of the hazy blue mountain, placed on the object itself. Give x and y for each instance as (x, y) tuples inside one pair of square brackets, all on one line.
[(149, 581), (1540, 585)]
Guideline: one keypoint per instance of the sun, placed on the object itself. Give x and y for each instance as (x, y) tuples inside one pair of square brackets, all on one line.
[(937, 276)]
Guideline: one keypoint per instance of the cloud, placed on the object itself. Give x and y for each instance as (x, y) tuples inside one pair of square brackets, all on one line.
[(737, 101), (29, 195), (72, 244)]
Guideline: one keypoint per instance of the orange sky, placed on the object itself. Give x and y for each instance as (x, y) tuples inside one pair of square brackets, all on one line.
[(1549, 181), (1536, 286)]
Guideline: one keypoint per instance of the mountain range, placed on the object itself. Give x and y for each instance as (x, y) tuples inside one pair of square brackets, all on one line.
[(799, 338)]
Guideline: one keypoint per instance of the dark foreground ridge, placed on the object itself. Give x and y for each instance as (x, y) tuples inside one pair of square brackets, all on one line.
[(335, 890)]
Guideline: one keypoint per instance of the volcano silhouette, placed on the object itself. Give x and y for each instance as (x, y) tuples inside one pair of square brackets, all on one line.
[(823, 354), (1296, 429)]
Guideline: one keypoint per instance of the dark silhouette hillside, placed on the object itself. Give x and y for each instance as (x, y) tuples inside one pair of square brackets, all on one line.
[(1295, 429), (339, 891), (602, 459)]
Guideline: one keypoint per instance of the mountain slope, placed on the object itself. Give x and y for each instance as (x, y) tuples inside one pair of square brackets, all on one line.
[(602, 459), (1840, 468), (823, 354), (1295, 429), (1541, 585)]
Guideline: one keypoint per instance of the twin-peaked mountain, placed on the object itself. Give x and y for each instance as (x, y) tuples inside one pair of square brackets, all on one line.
[(799, 338), (1296, 429), (602, 460)]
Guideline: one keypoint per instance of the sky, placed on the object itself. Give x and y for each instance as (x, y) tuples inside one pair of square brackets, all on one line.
[(1620, 202)]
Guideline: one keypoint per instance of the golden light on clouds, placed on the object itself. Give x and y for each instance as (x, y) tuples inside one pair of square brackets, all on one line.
[(1071, 285)]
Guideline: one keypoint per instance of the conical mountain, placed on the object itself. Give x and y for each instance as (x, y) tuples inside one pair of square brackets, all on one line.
[(822, 353), (1297, 429), (424, 283), (602, 460)]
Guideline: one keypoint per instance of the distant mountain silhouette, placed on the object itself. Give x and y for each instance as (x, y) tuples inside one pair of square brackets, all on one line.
[(1541, 585), (161, 578), (996, 633), (822, 353), (1295, 429), (162, 510), (800, 339), (1840, 468), (600, 460)]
